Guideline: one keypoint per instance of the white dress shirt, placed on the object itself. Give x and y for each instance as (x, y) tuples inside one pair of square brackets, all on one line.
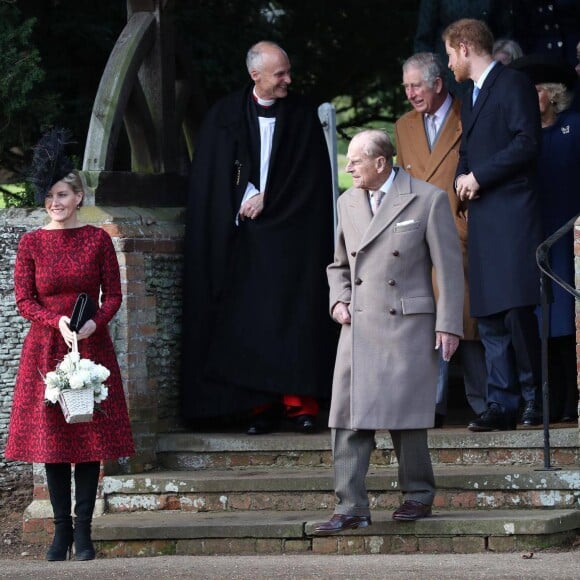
[(438, 118), (375, 197), (267, 126)]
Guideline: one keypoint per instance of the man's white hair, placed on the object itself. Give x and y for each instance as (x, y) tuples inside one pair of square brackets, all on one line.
[(255, 56)]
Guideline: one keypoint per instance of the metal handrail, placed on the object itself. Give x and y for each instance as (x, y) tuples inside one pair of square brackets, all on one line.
[(542, 259)]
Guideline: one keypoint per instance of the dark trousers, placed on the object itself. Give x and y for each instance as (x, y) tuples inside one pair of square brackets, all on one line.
[(512, 356), (472, 357), (562, 377)]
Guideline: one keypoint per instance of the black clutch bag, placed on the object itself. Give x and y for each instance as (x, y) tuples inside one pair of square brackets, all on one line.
[(83, 310)]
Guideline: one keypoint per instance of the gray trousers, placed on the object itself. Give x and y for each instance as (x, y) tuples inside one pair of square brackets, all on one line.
[(351, 451)]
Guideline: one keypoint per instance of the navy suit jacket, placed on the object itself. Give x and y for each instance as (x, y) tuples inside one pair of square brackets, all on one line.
[(500, 145)]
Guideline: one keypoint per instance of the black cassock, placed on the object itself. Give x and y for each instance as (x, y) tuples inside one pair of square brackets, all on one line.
[(256, 322)]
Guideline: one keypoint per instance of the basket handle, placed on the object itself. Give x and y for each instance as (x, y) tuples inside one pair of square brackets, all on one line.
[(75, 345)]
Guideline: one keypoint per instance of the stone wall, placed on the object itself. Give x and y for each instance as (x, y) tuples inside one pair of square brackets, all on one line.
[(12, 331), (164, 282), (145, 331)]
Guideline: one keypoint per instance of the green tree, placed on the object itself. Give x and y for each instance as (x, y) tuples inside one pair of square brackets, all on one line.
[(350, 50), (53, 53), (20, 73), (74, 40)]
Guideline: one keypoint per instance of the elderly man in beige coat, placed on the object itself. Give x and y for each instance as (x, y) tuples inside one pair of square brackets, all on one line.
[(393, 229)]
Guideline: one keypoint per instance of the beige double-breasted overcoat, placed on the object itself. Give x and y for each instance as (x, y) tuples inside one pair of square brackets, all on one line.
[(386, 367)]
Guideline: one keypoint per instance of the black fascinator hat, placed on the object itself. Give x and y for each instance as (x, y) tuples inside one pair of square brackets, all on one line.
[(544, 68), (49, 162)]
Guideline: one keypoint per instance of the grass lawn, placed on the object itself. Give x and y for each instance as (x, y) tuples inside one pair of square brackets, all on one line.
[(344, 179), (16, 188)]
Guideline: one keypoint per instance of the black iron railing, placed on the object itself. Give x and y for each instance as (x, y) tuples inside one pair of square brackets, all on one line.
[(542, 258)]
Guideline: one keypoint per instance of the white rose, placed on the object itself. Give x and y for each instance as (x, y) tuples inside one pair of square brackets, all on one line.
[(51, 394), (75, 357), (102, 394), (99, 373), (79, 379), (52, 380), (86, 364), (67, 365)]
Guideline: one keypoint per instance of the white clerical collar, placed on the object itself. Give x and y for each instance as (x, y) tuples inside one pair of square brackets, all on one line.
[(263, 102), (481, 79)]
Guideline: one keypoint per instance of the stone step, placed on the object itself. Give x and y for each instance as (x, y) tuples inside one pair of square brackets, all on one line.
[(197, 451), (171, 532), (311, 488)]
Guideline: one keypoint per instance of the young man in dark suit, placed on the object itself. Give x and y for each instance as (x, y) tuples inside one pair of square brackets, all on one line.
[(496, 176)]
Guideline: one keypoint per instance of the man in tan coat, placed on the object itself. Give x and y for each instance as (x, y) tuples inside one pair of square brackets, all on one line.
[(428, 139), (392, 230)]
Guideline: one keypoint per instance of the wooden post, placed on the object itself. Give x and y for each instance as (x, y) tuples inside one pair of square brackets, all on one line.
[(138, 88)]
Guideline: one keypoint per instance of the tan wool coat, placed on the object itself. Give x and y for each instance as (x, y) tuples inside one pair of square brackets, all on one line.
[(386, 367), (438, 168)]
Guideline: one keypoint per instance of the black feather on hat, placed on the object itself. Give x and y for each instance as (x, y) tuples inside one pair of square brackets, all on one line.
[(545, 68), (49, 162)]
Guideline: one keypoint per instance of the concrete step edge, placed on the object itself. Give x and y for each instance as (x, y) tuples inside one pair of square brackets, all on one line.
[(262, 479), (177, 525), (295, 442)]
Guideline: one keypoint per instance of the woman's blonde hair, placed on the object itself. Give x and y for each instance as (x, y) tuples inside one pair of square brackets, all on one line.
[(560, 97), (76, 182)]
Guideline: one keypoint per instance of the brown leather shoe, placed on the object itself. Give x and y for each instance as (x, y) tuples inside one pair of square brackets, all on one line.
[(411, 511), (340, 523)]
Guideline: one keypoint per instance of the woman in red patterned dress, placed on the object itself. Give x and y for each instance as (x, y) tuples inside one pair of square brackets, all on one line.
[(53, 265)]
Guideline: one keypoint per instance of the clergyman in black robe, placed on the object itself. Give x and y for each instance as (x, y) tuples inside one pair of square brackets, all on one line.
[(259, 235)]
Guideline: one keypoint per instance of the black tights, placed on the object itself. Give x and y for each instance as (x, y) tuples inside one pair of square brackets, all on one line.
[(58, 479)]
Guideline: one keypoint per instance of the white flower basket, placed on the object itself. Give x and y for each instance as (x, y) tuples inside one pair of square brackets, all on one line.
[(77, 405), (76, 384)]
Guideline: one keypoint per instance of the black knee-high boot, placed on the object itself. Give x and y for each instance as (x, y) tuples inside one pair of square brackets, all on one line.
[(86, 483), (59, 488)]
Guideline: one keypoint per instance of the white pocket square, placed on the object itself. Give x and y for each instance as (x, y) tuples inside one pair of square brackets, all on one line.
[(405, 223)]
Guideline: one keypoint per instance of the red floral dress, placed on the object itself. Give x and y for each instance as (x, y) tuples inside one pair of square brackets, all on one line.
[(52, 268)]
